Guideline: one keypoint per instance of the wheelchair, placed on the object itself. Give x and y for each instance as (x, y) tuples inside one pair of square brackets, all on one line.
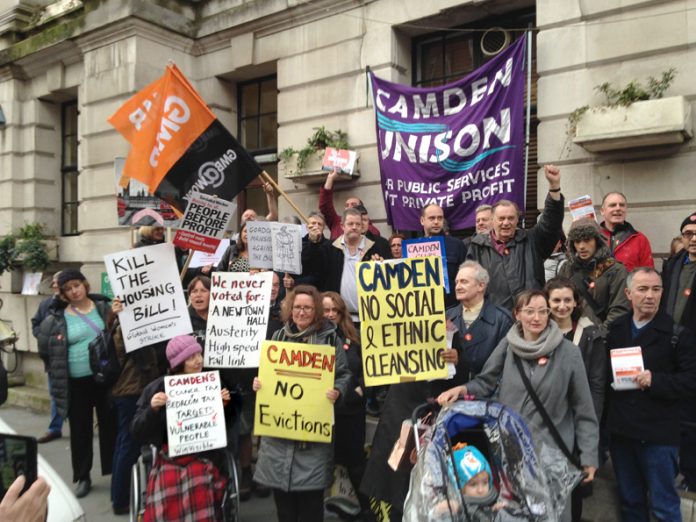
[(141, 471)]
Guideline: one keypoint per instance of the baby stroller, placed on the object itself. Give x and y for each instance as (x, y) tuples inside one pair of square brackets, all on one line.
[(528, 486), (229, 505)]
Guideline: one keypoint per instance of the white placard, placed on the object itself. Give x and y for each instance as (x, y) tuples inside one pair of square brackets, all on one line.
[(287, 248), (31, 282), (581, 208), (626, 363), (237, 319), (195, 413), (200, 259), (259, 237), (146, 280)]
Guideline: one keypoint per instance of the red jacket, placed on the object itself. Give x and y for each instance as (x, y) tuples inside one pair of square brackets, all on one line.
[(629, 246), (333, 220)]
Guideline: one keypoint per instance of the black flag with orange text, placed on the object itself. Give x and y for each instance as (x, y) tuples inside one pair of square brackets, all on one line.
[(178, 146)]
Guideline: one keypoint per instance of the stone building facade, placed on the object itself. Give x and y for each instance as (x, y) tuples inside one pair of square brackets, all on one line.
[(273, 70)]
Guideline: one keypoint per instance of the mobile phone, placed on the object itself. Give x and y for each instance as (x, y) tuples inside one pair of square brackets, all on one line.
[(18, 456)]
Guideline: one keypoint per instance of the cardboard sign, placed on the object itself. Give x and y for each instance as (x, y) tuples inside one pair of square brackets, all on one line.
[(343, 160), (276, 246), (581, 208), (260, 240), (292, 402), (287, 248), (199, 259), (237, 319), (402, 320), (204, 223), (146, 280), (427, 246), (626, 363), (195, 413), (136, 206)]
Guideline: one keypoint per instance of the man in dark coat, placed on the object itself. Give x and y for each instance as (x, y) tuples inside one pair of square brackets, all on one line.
[(514, 258), (644, 423), (679, 302), (433, 220), (599, 277)]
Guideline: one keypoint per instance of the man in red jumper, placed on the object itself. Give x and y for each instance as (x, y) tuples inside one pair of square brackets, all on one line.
[(626, 244), (326, 207)]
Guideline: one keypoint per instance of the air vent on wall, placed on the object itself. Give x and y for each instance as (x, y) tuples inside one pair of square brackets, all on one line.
[(494, 41)]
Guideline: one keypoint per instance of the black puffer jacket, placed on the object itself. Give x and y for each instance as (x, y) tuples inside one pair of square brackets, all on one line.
[(523, 265), (53, 347)]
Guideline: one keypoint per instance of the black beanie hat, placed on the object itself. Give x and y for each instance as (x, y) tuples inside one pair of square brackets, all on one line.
[(70, 274), (690, 220)]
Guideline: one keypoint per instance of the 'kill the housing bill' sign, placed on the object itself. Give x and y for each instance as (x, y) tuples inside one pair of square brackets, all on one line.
[(458, 146)]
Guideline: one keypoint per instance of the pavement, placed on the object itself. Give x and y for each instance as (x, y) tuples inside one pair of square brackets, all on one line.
[(97, 505)]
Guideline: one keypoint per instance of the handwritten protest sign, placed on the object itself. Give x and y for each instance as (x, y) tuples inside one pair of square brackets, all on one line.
[(199, 259), (260, 239), (292, 402), (204, 223), (276, 246), (146, 280), (195, 414), (287, 248), (424, 247), (237, 319), (402, 320)]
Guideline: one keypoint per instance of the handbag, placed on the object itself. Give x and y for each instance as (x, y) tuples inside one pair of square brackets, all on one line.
[(545, 415), (103, 360)]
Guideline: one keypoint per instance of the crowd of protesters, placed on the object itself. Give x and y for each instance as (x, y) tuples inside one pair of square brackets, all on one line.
[(530, 306)]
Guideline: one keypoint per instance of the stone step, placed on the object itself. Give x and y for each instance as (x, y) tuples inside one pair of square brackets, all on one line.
[(34, 399)]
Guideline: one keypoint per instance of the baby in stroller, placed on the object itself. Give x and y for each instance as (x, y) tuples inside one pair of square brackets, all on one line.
[(478, 464)]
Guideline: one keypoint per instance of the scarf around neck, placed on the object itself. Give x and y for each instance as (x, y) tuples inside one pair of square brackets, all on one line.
[(547, 342), (309, 334)]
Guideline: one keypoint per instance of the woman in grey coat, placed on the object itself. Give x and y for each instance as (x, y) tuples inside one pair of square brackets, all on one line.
[(298, 472), (555, 368)]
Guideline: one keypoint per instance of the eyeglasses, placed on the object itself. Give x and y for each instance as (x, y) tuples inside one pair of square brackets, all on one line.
[(688, 234), (303, 309), (530, 312)]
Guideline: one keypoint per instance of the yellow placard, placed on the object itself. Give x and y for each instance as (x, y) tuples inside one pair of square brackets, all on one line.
[(292, 402), (402, 320)]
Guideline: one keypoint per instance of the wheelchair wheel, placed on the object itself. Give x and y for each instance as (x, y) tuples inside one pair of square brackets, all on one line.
[(139, 474), (230, 502)]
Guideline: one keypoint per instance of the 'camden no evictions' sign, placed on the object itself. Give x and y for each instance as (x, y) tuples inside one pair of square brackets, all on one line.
[(147, 282), (402, 320), (292, 402), (195, 414)]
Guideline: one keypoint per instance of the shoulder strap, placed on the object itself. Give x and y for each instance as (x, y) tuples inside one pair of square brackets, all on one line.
[(582, 288), (544, 415), (87, 319)]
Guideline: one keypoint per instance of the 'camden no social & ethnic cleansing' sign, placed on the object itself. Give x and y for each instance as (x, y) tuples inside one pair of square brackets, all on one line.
[(146, 280), (237, 319), (292, 402), (402, 320), (195, 414)]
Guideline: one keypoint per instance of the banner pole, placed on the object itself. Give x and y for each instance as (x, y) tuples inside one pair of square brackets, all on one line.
[(528, 116), (186, 265), (270, 180)]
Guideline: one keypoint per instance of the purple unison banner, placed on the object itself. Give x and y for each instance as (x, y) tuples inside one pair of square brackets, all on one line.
[(458, 146)]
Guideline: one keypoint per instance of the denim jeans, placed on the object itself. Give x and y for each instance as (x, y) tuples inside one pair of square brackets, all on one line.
[(646, 470), (126, 451), (56, 424)]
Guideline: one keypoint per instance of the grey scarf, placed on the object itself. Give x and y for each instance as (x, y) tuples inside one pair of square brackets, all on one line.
[(547, 342), (291, 333)]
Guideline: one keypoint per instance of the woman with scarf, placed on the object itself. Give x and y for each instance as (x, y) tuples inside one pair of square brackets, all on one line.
[(298, 472), (553, 365)]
